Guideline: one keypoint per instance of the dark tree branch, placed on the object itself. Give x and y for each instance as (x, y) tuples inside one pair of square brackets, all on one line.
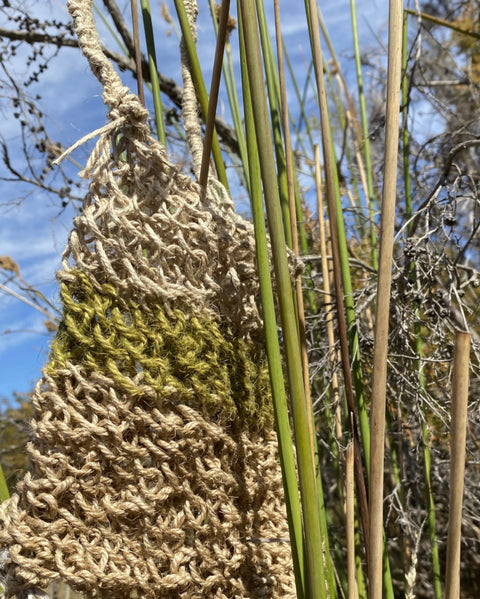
[(35, 37), (442, 179), (168, 86), (121, 25)]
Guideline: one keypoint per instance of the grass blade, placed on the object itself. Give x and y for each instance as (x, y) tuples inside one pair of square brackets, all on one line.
[(152, 65), (314, 575), (200, 88)]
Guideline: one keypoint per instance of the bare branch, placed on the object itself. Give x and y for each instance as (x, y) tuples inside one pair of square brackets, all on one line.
[(168, 86)]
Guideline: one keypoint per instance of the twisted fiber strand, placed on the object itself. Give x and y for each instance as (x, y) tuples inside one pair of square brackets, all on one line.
[(125, 107), (191, 121), (115, 95)]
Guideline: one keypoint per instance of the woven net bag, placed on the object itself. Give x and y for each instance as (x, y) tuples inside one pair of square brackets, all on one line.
[(155, 469)]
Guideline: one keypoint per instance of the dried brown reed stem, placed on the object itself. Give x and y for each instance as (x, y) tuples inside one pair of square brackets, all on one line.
[(214, 89), (379, 385), (460, 377), (138, 52), (327, 295), (350, 522)]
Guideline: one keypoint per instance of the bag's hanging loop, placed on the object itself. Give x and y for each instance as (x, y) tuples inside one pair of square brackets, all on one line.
[(121, 101), (125, 108)]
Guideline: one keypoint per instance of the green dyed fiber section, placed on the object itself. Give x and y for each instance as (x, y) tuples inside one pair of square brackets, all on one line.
[(185, 359)]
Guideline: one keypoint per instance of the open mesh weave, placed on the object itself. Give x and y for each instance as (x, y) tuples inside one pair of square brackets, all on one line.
[(154, 460)]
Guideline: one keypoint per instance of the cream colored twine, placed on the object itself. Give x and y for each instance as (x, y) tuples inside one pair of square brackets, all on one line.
[(125, 107), (191, 122)]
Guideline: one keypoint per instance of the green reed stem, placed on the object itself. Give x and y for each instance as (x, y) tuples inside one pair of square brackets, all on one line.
[(315, 583), (341, 269), (200, 87), (431, 517), (287, 458), (291, 203), (299, 295), (273, 89), (152, 66), (344, 287), (4, 492)]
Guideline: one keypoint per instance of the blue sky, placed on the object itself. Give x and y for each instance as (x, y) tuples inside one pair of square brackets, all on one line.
[(33, 231)]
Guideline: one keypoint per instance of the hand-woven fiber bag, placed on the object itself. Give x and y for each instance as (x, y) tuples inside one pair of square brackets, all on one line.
[(155, 469)]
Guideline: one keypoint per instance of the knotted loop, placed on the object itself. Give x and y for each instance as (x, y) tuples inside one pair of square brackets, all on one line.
[(123, 104), (89, 42), (125, 108), (128, 106)]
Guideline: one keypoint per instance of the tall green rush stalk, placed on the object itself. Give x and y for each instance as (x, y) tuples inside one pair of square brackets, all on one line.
[(379, 384), (299, 292), (335, 205), (152, 65), (200, 88), (4, 493), (285, 449), (273, 90), (291, 204), (314, 568), (340, 261)]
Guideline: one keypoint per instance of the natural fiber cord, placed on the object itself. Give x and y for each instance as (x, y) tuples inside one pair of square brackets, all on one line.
[(154, 460)]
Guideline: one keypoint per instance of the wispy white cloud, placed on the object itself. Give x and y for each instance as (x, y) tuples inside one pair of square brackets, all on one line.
[(16, 332)]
